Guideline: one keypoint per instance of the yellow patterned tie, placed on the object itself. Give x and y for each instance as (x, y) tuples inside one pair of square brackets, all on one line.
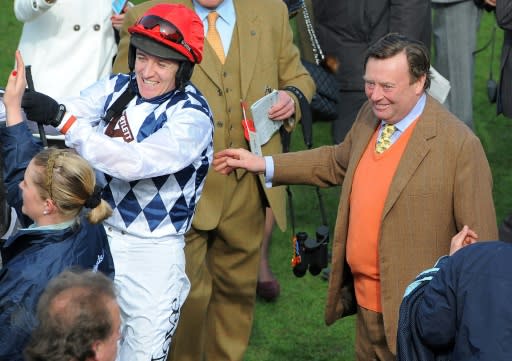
[(213, 36), (384, 141)]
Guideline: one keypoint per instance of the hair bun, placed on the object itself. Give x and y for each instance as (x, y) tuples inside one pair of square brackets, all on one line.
[(95, 198)]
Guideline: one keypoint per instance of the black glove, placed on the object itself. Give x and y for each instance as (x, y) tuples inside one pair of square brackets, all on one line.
[(42, 108)]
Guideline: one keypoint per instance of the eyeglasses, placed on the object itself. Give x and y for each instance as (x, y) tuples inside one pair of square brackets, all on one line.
[(167, 31)]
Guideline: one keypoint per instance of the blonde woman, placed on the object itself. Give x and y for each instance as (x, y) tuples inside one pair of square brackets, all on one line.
[(57, 200)]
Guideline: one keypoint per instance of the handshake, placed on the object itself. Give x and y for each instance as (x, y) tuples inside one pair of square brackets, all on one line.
[(42, 108)]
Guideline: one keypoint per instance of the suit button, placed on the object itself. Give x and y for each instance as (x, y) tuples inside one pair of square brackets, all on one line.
[(96, 27), (225, 74), (220, 124), (76, 27)]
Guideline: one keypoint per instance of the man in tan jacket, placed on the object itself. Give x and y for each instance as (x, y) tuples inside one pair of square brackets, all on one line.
[(403, 196), (222, 249)]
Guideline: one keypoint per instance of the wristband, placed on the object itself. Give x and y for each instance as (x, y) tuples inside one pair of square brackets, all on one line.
[(68, 124), (60, 115)]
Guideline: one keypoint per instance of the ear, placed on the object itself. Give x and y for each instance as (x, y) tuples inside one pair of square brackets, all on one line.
[(419, 85), (96, 349), (49, 206)]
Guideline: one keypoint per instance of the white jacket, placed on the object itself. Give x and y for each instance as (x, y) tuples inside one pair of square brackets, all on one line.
[(69, 44)]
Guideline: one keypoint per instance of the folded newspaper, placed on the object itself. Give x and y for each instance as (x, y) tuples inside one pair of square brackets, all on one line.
[(265, 127)]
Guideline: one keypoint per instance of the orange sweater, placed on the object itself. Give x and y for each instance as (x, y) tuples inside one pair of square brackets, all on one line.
[(370, 187)]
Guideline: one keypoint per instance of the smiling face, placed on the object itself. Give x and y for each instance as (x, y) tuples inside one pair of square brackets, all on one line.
[(155, 76), (389, 89)]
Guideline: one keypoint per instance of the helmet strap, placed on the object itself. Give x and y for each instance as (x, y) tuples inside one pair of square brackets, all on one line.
[(131, 58), (183, 74)]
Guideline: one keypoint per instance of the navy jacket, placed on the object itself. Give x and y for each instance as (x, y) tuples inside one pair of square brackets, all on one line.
[(410, 345), (32, 257), (468, 305)]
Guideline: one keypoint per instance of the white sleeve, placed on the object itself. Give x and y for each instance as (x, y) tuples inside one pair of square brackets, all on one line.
[(186, 134), (26, 10)]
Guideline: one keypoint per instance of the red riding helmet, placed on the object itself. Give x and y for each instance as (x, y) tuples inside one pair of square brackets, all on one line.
[(169, 31)]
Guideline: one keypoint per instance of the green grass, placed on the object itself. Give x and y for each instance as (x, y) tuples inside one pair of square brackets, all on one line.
[(494, 131), (292, 328)]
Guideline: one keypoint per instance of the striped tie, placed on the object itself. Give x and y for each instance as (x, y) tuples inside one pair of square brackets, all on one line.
[(384, 141), (213, 36)]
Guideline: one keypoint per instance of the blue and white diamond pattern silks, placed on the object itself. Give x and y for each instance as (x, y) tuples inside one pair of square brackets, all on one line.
[(172, 205), (154, 181)]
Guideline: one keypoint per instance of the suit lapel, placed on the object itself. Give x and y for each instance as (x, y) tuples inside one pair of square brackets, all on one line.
[(210, 65), (414, 153), (248, 37), (248, 27), (359, 144)]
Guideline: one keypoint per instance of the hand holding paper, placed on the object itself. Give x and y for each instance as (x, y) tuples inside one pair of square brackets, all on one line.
[(265, 127), (284, 108)]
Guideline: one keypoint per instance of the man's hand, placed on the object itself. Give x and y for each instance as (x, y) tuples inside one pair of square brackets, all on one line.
[(465, 237), (41, 108), (284, 108), (228, 160)]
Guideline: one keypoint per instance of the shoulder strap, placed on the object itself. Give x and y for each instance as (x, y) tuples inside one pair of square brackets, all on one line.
[(116, 109)]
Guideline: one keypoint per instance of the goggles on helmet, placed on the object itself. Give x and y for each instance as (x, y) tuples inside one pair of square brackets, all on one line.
[(168, 31)]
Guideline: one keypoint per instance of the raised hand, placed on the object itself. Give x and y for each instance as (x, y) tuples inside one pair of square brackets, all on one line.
[(16, 84), (41, 108)]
